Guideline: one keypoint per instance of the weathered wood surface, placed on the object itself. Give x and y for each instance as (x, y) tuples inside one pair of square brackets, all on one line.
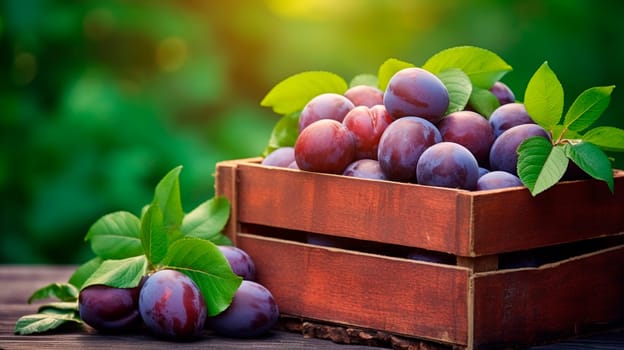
[(18, 282)]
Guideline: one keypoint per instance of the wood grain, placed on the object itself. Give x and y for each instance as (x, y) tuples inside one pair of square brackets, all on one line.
[(18, 282), (398, 295), (462, 223), (556, 301)]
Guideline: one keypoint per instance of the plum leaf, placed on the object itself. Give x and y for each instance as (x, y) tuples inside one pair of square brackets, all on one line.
[(484, 67), (284, 133), (204, 263), (115, 236), (608, 138), (588, 107), (540, 164), (207, 220), (459, 88), (291, 94), (122, 273), (84, 271), (591, 160), (62, 291), (154, 234), (364, 79), (543, 97), (483, 101), (387, 69)]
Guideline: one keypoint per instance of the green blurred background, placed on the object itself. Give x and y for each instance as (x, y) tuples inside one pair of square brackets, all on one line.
[(99, 99)]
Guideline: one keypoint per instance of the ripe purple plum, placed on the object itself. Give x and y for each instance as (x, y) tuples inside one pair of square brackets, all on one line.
[(364, 95), (507, 116), (416, 92), (448, 164), (503, 93), (324, 106), (108, 308), (365, 168), (504, 155), (280, 157), (471, 130), (325, 146), (252, 313), (498, 179), (172, 306), (483, 171), (401, 145), (240, 262), (367, 124)]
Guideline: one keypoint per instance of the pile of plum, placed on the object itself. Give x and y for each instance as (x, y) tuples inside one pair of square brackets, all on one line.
[(404, 134), (169, 305)]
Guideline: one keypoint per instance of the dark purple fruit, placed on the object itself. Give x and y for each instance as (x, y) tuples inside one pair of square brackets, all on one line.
[(172, 306), (401, 145), (365, 95), (325, 146), (448, 164), (416, 92), (252, 313), (109, 309), (325, 106), (239, 261), (498, 179)]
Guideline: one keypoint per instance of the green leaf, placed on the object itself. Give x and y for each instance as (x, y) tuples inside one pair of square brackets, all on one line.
[(364, 79), (459, 88), (115, 236), (592, 160), (84, 271), (65, 307), (284, 133), (38, 323), (204, 263), (388, 69), (154, 234), (208, 219), (124, 273), (588, 107), (608, 138), (540, 164), (557, 130), (483, 101), (543, 97), (167, 194), (484, 67), (61, 291), (291, 94)]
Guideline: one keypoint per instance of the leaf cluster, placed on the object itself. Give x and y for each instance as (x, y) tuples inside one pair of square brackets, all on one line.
[(542, 163), (128, 247), (468, 72)]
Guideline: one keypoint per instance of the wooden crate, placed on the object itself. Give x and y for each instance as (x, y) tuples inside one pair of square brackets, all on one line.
[(475, 297)]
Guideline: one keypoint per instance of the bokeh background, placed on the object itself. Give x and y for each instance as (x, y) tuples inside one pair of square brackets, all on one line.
[(99, 99)]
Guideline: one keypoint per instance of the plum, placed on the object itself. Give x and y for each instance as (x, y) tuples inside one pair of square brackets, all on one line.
[(108, 308), (416, 92), (252, 313), (172, 306), (448, 164)]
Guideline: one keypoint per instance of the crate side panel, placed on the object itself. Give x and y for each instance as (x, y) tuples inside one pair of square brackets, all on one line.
[(400, 296), (379, 211), (569, 298), (514, 220)]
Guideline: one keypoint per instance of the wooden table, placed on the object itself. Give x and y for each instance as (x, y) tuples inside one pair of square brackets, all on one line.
[(18, 282)]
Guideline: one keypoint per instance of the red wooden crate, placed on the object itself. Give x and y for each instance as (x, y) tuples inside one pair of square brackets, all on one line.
[(471, 301)]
